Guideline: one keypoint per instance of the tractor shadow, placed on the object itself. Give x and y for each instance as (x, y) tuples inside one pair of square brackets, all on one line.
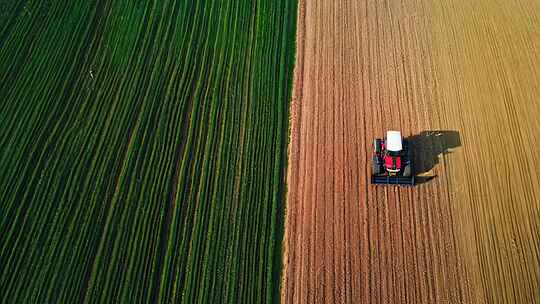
[(428, 146)]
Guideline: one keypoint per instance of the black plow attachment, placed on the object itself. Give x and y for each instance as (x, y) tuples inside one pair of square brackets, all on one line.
[(392, 180)]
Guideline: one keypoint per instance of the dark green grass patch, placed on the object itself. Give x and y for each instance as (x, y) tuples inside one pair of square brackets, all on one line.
[(143, 150)]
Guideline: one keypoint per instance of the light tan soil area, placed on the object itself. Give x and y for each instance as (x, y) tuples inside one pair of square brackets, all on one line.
[(488, 87), (462, 79)]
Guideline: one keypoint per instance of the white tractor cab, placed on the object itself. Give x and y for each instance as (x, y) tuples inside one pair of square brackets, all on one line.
[(392, 161)]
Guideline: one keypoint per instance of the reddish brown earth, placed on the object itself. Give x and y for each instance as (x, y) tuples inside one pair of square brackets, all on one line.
[(466, 236)]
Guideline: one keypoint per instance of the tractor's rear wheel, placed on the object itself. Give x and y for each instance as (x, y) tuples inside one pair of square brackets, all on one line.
[(407, 171), (377, 145), (376, 167)]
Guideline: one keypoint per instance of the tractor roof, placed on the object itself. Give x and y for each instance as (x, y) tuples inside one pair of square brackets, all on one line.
[(393, 141)]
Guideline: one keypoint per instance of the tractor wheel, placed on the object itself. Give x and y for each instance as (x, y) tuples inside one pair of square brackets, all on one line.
[(377, 145), (375, 166), (407, 171)]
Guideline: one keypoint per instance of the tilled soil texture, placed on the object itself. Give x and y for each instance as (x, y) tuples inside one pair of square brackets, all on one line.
[(488, 87), (445, 75)]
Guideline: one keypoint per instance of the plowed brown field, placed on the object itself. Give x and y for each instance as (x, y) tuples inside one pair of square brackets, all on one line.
[(469, 235)]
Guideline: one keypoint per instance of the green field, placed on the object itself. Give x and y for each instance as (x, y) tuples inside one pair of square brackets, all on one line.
[(143, 150)]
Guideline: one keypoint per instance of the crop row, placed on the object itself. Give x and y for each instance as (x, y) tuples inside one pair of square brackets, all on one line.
[(143, 149)]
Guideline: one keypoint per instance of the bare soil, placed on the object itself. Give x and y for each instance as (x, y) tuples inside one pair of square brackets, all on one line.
[(461, 82)]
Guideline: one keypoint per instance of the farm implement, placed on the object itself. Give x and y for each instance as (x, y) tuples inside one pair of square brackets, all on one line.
[(392, 161)]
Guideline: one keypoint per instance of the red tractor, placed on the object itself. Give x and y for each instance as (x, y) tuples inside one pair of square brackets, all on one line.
[(392, 161)]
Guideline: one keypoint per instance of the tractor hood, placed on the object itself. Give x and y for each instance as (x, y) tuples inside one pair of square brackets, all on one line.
[(393, 141)]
